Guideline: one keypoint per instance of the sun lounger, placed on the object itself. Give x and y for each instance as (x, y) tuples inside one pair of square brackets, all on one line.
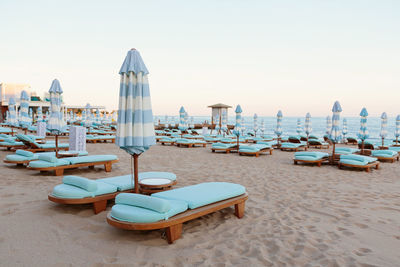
[(33, 146), (78, 190), (24, 157), (293, 146), (294, 139), (385, 155), (351, 140), (100, 138), (10, 143), (223, 147), (189, 142), (170, 209), (254, 149), (167, 140), (51, 163), (367, 145), (317, 144), (311, 157), (345, 150), (358, 161)]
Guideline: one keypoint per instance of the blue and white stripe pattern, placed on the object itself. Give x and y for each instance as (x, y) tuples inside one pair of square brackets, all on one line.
[(397, 131), (278, 129), (186, 120), (344, 129), (262, 126), (55, 122), (135, 129), (39, 114), (255, 124), (328, 125), (335, 134), (24, 121), (238, 121), (243, 125), (363, 133), (384, 131), (224, 121), (31, 114), (307, 124), (182, 125), (83, 117), (299, 128), (12, 118)]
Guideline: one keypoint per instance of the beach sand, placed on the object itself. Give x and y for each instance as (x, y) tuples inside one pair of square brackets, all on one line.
[(295, 216)]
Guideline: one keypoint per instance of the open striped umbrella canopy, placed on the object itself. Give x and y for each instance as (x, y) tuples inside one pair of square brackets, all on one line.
[(397, 131), (384, 131), (344, 128), (328, 125), (25, 120), (12, 119), (224, 121), (255, 123), (299, 128), (307, 124), (238, 121), (335, 134), (363, 133), (39, 114), (278, 129), (135, 129), (55, 123), (182, 124)]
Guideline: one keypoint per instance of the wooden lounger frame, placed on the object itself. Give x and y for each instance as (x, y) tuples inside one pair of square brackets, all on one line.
[(294, 148), (226, 150), (100, 140), (316, 145), (59, 170), (173, 226), (318, 162), (34, 148), (352, 141), (190, 145), (99, 202), (13, 147), (257, 153), (391, 159), (167, 142), (366, 167)]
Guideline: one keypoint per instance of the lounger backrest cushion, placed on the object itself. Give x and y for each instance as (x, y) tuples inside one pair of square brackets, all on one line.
[(203, 194), (48, 158), (143, 201), (93, 158), (84, 183), (314, 154), (24, 153)]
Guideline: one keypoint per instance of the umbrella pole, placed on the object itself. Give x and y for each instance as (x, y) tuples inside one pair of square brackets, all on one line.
[(237, 140), (307, 140), (382, 141), (56, 146), (12, 131), (362, 147), (333, 154), (136, 172)]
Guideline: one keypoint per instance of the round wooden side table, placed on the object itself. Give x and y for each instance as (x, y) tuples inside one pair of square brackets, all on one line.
[(154, 185)]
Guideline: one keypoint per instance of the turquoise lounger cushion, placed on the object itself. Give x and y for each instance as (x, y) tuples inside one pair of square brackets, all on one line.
[(93, 158), (311, 156), (290, 145), (16, 157), (345, 150), (123, 182), (84, 183), (383, 153), (203, 194), (71, 191), (49, 158), (128, 213), (248, 149), (24, 153), (395, 148), (222, 145), (51, 145), (356, 159), (151, 203), (261, 146), (47, 164)]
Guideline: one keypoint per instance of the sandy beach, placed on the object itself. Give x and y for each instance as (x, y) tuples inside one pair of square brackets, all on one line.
[(295, 216)]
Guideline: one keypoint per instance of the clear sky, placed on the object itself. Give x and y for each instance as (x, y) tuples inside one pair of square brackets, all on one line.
[(297, 56)]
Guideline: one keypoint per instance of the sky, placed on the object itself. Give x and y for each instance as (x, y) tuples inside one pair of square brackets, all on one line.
[(294, 56)]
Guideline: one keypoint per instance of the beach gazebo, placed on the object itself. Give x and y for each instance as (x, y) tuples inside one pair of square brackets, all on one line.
[(216, 113)]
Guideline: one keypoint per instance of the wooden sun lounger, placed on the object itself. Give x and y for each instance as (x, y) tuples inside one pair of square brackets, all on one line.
[(317, 145), (99, 202), (19, 163), (391, 159), (59, 170), (29, 146), (171, 143), (13, 147), (100, 140), (226, 150), (295, 149), (366, 167), (173, 226), (191, 144), (318, 162), (257, 153)]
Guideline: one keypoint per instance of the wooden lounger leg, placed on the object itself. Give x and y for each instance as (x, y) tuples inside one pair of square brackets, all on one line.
[(239, 210), (367, 169), (377, 166), (295, 162), (20, 164), (99, 206), (319, 164), (59, 172), (173, 232), (108, 166), (270, 151), (91, 167)]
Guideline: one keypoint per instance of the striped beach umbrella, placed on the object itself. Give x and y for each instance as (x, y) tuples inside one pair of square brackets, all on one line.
[(384, 131), (55, 123), (262, 127), (363, 133), (238, 121), (243, 128), (12, 118), (344, 129), (182, 125), (328, 125), (31, 114), (278, 130), (299, 128), (397, 131), (24, 121), (135, 129), (7, 116), (255, 124), (39, 114), (308, 125), (335, 134), (192, 122), (224, 121), (186, 120)]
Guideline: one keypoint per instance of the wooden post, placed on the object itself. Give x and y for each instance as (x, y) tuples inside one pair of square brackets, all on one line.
[(333, 154), (362, 147), (136, 172), (56, 146)]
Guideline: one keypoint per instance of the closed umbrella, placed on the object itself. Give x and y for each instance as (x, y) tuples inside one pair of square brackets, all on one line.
[(363, 133), (278, 129), (262, 128), (255, 124), (224, 121), (308, 125), (299, 128), (31, 114), (328, 125), (88, 120), (182, 123), (135, 130), (335, 134), (12, 118), (243, 126), (397, 131), (344, 129), (192, 122), (384, 131), (7, 116), (238, 126), (55, 123), (98, 119), (24, 121)]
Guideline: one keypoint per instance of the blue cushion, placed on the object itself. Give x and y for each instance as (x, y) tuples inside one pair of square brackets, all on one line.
[(152, 203), (383, 153), (51, 145), (24, 153), (80, 182), (222, 145), (356, 159), (123, 182), (16, 157), (395, 148), (71, 191), (48, 158), (290, 145), (203, 194), (93, 158), (345, 150), (47, 164), (310, 155)]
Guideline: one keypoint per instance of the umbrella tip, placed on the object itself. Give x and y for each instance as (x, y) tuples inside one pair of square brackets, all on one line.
[(133, 48)]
